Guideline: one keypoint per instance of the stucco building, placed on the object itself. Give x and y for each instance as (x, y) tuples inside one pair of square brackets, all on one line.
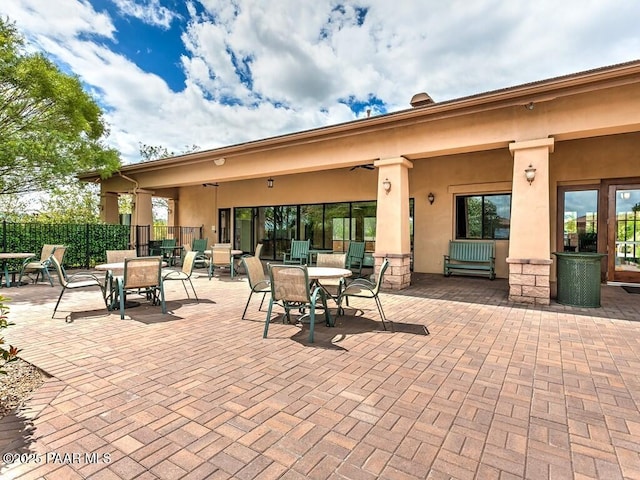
[(410, 181)]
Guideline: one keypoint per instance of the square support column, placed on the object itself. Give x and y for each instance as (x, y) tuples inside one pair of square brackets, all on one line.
[(529, 241), (392, 222), (109, 210)]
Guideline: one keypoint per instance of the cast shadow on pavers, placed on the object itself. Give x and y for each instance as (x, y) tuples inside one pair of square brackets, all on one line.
[(355, 319), (151, 314), (71, 317), (18, 433)]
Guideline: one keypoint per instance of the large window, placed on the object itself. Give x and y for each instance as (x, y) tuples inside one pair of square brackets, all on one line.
[(328, 225), (483, 216)]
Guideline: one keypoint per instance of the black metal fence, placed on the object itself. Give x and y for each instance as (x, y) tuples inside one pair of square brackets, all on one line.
[(87, 243)]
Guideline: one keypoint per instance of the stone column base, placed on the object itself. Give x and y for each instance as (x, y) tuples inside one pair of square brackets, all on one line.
[(398, 274), (529, 280)]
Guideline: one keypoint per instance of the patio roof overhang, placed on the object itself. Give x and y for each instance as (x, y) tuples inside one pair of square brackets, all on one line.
[(530, 94)]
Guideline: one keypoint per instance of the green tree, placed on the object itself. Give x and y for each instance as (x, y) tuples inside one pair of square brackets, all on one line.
[(73, 203), (50, 128)]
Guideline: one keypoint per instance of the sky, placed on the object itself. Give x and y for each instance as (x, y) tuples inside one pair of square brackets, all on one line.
[(215, 73)]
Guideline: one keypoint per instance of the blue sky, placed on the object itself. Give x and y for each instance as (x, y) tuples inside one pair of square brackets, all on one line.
[(220, 72)]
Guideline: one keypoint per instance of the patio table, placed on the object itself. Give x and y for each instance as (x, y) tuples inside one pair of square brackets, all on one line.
[(317, 274), (113, 270), (5, 257)]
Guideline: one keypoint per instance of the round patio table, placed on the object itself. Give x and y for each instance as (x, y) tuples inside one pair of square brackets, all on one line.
[(5, 257)]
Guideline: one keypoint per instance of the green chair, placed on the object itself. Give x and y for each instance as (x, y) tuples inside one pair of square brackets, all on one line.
[(220, 258), (290, 289), (355, 257), (199, 245), (142, 275), (184, 274), (168, 248), (298, 254), (74, 282), (258, 280), (42, 266), (362, 288)]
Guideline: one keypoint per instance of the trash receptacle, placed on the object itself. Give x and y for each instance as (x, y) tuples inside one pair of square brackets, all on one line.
[(579, 278)]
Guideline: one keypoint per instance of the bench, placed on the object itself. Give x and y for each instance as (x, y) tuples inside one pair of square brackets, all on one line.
[(470, 257)]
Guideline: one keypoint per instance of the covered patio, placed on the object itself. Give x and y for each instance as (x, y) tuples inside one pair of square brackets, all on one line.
[(497, 390)]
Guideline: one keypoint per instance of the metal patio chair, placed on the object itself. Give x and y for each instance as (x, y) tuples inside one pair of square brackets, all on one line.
[(74, 282), (258, 280), (184, 274), (290, 289), (144, 275), (44, 265)]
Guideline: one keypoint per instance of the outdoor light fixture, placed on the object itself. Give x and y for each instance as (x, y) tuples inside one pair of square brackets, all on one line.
[(386, 185), (270, 182), (220, 161), (625, 195), (529, 106), (431, 197), (530, 173)]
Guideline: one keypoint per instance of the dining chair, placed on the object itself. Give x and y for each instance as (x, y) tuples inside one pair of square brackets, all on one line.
[(362, 288), (220, 258), (290, 289), (144, 275), (258, 279), (183, 274), (258, 250), (335, 260), (44, 265), (118, 256), (298, 253), (74, 282)]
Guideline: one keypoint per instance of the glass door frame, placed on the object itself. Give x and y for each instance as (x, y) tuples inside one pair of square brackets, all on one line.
[(614, 275), (602, 219)]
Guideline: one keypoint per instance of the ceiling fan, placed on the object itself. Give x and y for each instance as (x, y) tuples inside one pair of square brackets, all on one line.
[(366, 166)]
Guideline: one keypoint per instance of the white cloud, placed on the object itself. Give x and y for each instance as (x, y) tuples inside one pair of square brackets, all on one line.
[(150, 12), (300, 59)]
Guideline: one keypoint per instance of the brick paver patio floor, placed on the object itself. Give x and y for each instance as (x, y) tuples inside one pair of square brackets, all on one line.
[(497, 391)]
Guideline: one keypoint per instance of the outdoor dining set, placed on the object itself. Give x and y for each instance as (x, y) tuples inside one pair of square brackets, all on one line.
[(305, 280)]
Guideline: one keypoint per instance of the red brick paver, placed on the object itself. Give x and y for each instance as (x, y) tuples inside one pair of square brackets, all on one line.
[(496, 391)]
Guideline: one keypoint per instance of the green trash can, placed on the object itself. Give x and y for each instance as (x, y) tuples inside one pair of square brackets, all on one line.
[(579, 278)]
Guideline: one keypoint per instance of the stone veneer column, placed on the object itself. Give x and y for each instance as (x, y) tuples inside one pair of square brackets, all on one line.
[(529, 281), (392, 222), (529, 257)]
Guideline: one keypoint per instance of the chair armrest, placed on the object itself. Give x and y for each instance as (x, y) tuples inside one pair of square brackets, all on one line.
[(80, 275)]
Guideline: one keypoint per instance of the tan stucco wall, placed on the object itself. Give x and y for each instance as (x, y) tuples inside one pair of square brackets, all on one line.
[(484, 172)]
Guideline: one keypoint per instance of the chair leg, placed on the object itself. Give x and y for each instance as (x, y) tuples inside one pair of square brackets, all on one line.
[(185, 288), (264, 295), (379, 304), (122, 295), (162, 303), (57, 303), (312, 321), (194, 291), (268, 319), (247, 305)]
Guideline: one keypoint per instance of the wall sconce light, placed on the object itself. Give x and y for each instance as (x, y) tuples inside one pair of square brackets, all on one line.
[(529, 106), (220, 161), (530, 174), (431, 197), (270, 182), (386, 185)]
